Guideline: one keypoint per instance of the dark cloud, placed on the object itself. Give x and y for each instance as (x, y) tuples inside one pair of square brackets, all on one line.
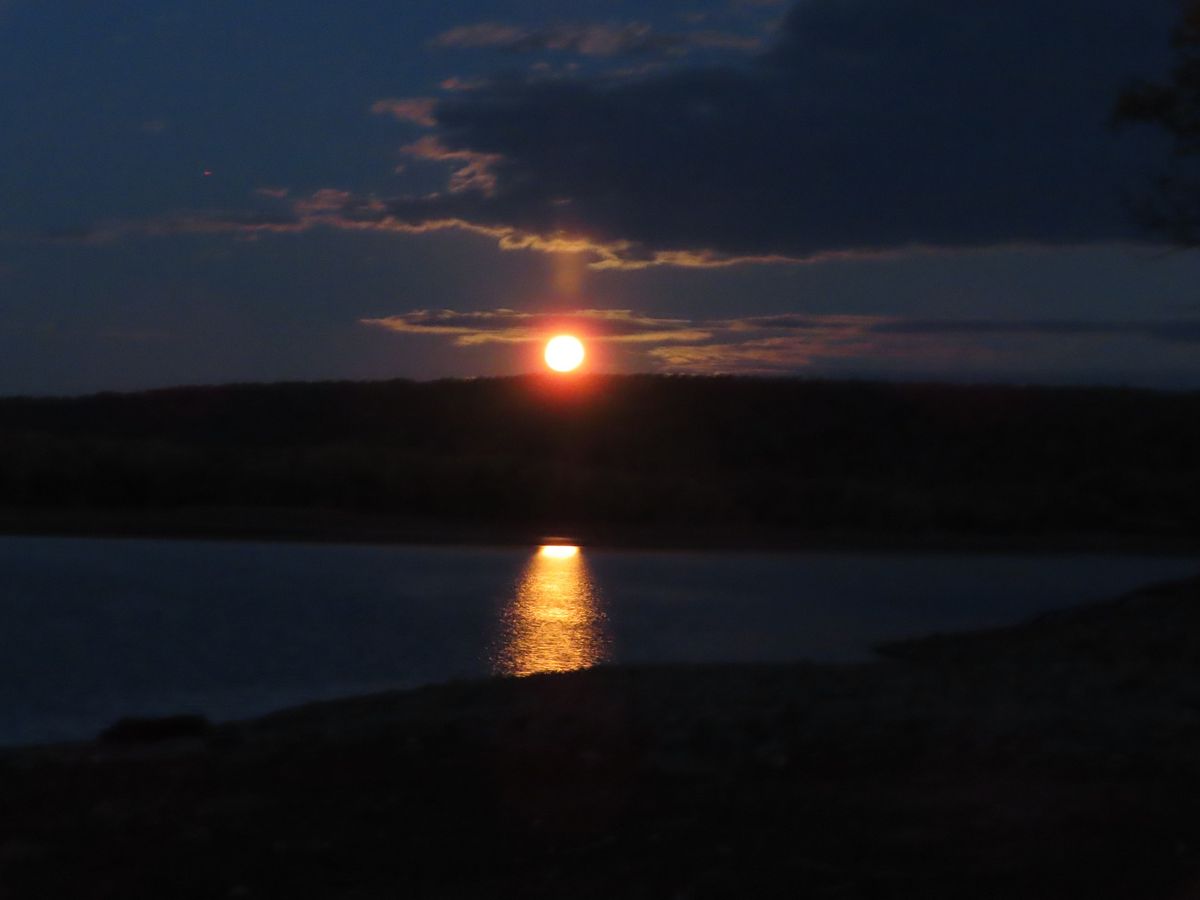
[(871, 125)]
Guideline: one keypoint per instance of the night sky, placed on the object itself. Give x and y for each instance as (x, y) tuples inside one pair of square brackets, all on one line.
[(248, 190)]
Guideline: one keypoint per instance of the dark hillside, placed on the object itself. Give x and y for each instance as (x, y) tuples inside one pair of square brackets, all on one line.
[(627, 450)]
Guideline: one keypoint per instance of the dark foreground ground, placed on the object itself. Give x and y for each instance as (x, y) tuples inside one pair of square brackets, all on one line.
[(1059, 759)]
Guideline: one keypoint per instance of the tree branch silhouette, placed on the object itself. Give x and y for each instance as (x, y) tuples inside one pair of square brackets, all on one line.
[(1172, 205)]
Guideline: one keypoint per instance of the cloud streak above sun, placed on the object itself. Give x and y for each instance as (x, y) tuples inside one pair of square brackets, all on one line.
[(339, 210), (507, 326), (780, 344)]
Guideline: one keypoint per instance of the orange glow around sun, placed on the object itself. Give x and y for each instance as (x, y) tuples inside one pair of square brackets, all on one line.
[(564, 353)]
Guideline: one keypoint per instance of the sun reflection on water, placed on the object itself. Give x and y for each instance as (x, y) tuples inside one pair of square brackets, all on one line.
[(554, 622), (558, 551)]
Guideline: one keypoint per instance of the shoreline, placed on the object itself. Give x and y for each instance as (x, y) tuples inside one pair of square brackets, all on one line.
[(1057, 758), (339, 527)]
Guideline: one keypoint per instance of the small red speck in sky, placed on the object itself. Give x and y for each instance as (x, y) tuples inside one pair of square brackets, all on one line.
[(208, 173)]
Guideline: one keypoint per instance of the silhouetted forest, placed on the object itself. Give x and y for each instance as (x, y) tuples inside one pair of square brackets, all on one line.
[(647, 451)]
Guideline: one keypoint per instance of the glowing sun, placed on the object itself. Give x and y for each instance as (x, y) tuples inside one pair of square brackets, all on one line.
[(564, 353)]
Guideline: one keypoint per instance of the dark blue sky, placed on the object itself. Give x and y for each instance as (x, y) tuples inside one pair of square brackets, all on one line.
[(901, 188)]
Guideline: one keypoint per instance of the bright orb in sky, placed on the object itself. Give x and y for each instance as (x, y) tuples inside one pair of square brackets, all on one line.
[(564, 353)]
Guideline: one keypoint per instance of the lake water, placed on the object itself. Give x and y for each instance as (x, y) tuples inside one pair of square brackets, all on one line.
[(97, 629)]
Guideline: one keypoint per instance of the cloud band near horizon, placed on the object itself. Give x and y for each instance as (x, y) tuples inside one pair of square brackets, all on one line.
[(774, 344)]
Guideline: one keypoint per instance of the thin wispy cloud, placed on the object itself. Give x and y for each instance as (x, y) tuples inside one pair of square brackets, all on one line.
[(471, 171), (592, 39), (418, 110), (472, 177), (455, 83), (507, 326), (778, 343)]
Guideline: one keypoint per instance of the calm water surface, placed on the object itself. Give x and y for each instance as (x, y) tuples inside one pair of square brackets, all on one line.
[(97, 629)]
